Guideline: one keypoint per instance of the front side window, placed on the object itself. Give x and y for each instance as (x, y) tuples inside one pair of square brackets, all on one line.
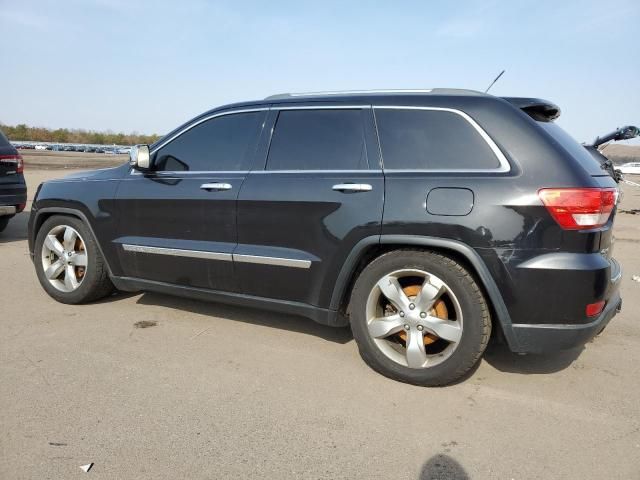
[(224, 143), (431, 140), (318, 140)]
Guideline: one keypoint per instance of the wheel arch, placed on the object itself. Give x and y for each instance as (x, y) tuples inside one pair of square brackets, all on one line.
[(372, 247), (41, 216)]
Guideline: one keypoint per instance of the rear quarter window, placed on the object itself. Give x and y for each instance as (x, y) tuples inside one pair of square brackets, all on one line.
[(431, 140)]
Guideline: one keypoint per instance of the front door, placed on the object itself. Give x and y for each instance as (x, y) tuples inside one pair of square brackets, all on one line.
[(178, 221), (320, 192)]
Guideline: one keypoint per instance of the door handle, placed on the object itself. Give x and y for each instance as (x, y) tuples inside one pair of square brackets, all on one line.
[(352, 187), (216, 186)]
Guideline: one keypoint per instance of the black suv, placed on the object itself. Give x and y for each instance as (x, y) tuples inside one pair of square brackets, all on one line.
[(13, 190), (425, 220)]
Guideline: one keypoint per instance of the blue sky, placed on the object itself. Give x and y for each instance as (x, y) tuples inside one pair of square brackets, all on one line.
[(147, 66)]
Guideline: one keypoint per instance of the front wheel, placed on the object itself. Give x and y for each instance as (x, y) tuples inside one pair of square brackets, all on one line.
[(419, 317), (68, 262)]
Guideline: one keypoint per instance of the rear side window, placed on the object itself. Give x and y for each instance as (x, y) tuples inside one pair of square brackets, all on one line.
[(318, 140), (432, 140), (223, 143)]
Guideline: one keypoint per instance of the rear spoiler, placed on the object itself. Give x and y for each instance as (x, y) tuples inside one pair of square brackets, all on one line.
[(535, 107)]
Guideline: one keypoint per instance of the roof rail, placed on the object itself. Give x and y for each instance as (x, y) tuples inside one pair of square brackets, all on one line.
[(281, 96)]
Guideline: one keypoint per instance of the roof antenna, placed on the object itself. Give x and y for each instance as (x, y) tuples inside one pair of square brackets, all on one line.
[(494, 81)]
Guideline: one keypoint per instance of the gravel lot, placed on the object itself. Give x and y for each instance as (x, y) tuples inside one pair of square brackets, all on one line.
[(212, 391)]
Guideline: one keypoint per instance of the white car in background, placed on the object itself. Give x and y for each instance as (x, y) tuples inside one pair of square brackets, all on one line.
[(630, 168), (41, 147)]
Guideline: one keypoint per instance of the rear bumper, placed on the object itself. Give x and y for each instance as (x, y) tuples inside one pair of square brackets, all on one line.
[(543, 338), (553, 337), (12, 195)]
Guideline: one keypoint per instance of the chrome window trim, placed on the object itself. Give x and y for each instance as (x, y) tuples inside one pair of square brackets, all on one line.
[(228, 257), (279, 261), (177, 252), (502, 160)]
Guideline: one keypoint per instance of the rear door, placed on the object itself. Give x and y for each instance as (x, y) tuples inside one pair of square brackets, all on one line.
[(178, 222), (319, 192)]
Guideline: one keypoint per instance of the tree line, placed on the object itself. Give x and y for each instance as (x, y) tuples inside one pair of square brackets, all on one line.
[(24, 132)]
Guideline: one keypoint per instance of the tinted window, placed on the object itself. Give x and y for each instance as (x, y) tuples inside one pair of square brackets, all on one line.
[(222, 143), (318, 140), (428, 139)]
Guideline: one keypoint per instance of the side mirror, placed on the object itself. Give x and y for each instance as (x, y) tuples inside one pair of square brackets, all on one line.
[(139, 157)]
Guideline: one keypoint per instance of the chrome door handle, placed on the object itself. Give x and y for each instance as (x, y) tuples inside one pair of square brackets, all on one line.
[(352, 187), (216, 186)]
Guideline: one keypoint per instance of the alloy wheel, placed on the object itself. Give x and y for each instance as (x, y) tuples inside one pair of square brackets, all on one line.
[(414, 318), (64, 258)]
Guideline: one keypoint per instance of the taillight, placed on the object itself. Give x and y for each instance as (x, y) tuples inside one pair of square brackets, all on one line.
[(579, 208), (17, 159)]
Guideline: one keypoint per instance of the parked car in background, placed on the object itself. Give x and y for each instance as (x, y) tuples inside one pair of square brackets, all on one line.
[(424, 220), (123, 150), (13, 189), (632, 168), (40, 147)]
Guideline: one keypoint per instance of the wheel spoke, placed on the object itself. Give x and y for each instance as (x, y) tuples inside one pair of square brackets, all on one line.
[(393, 291), (69, 239), (432, 290), (79, 259), (54, 270), (52, 243), (416, 354), (448, 330), (70, 279), (385, 326)]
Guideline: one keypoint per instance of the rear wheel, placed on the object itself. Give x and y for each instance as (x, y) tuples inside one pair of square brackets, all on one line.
[(68, 262), (419, 317)]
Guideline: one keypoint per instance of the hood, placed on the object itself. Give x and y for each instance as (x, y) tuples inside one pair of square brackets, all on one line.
[(111, 173)]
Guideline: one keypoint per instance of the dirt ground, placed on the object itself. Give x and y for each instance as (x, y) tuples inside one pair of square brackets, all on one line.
[(148, 386)]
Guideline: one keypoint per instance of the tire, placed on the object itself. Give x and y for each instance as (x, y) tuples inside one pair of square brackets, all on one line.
[(4, 221), (92, 279), (440, 298)]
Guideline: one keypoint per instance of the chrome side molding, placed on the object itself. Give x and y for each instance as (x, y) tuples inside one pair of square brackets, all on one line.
[(228, 257), (177, 252)]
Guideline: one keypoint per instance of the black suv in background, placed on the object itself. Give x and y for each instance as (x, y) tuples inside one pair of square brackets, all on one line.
[(13, 190), (425, 220)]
